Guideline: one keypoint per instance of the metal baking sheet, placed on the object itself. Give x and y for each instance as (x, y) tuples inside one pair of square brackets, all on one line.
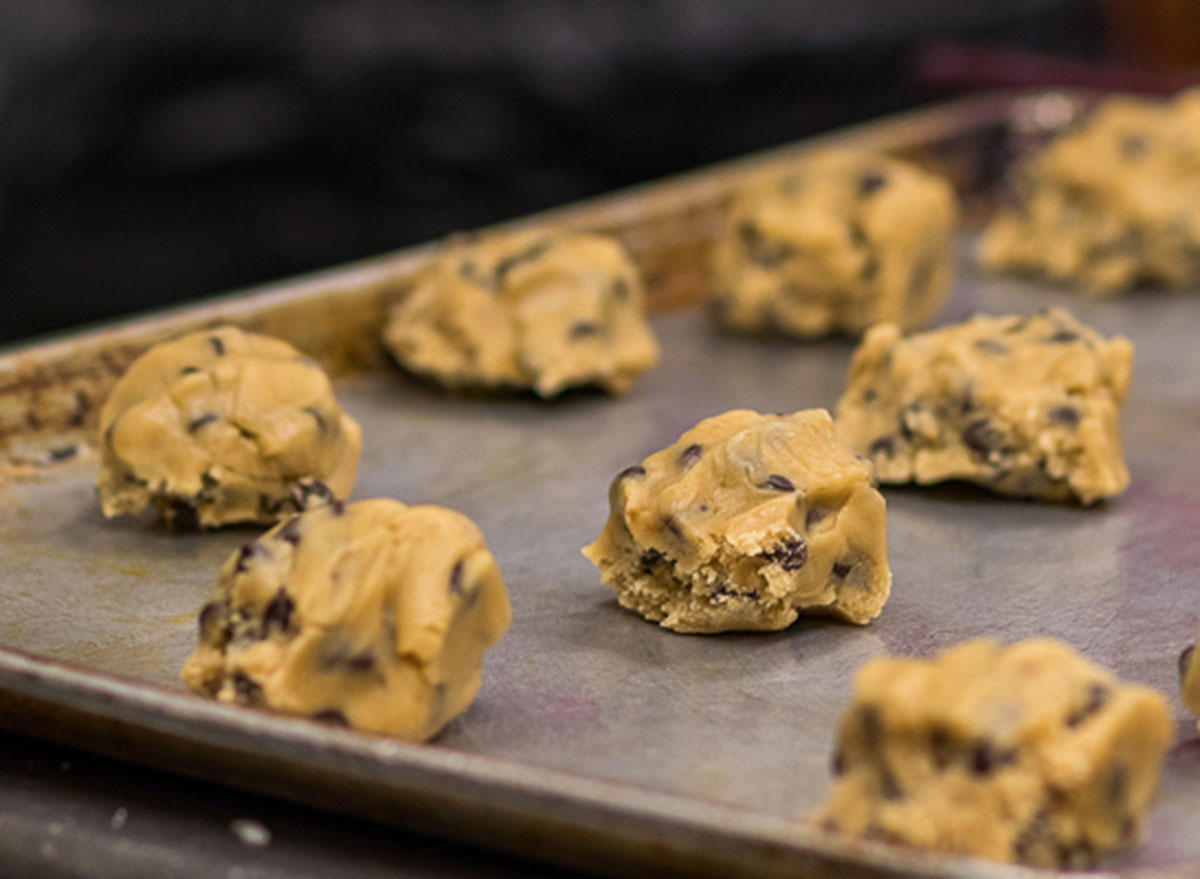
[(599, 739)]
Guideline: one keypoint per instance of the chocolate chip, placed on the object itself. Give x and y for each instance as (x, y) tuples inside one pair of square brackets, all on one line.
[(814, 515), (331, 716), (871, 722), (635, 470), (981, 438), (361, 663), (1134, 146), (270, 506), (278, 612), (309, 493), (650, 560), (182, 516), (337, 508), (247, 552), (1068, 416), (200, 420), (504, 266), (991, 346), (188, 370), (941, 747), (669, 523), (889, 788), (870, 182), (62, 453), (1185, 659), (1097, 696), (907, 413), (884, 445), (1118, 784), (1062, 337), (869, 395), (690, 456), (456, 578), (620, 290), (214, 623), (582, 329), (790, 554), (838, 765), (841, 569), (322, 425), (985, 758), (762, 252), (290, 531), (217, 345), (208, 481), (246, 690), (778, 483)]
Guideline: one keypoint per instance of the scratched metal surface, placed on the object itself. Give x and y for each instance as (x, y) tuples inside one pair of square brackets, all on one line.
[(744, 720)]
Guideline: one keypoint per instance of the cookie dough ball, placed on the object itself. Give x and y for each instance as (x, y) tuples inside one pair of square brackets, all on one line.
[(745, 522), (224, 426), (1189, 680), (539, 310), (372, 614), (839, 242), (1109, 204), (1025, 753), (1024, 406)]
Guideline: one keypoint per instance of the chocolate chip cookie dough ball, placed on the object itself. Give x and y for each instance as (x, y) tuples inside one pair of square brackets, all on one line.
[(370, 614), (1024, 406), (1110, 204), (744, 523), (1025, 753), (224, 426), (537, 310), (835, 244)]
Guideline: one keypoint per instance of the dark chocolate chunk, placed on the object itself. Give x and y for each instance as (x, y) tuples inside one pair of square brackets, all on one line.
[(1068, 416), (907, 412), (270, 506), (217, 345), (188, 370), (290, 531), (322, 425), (790, 554), (337, 508), (1185, 659), (362, 662), (814, 515), (1062, 336), (635, 470), (669, 523), (981, 438), (456, 578), (869, 395), (214, 623), (504, 266), (871, 722), (777, 482), (182, 516), (650, 560), (200, 420), (247, 552), (620, 290), (884, 445), (762, 252), (870, 182), (62, 453), (331, 716), (985, 758), (690, 456), (246, 690), (583, 329), (991, 346), (1097, 696), (942, 747), (208, 481), (838, 765), (889, 788), (841, 569), (277, 614), (309, 493)]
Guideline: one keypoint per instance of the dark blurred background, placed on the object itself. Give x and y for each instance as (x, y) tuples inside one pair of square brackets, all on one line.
[(152, 152)]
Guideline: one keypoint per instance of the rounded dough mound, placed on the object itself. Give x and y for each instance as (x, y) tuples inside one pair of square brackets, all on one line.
[(833, 244), (224, 426), (370, 614), (540, 310)]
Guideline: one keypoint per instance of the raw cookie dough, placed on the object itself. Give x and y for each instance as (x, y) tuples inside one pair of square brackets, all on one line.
[(744, 522), (1022, 405), (224, 426), (541, 310), (1110, 204), (1189, 680), (835, 244), (1025, 753), (372, 614)]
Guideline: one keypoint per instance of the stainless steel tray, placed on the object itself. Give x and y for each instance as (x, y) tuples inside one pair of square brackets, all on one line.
[(598, 739)]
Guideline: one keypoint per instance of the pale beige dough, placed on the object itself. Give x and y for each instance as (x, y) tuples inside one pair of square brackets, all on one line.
[(1025, 753), (836, 243), (224, 426), (1110, 204), (371, 614), (540, 310), (743, 523), (1024, 406)]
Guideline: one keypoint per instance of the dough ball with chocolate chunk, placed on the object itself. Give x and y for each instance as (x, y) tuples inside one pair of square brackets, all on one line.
[(744, 523), (224, 426), (1026, 753), (539, 310), (838, 242), (1109, 204), (372, 614), (1023, 406)]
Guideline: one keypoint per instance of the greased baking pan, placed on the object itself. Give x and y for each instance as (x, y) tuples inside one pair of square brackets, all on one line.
[(598, 739)]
